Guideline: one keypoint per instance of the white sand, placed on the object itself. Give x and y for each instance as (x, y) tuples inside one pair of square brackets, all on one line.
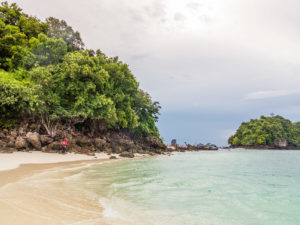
[(13, 160)]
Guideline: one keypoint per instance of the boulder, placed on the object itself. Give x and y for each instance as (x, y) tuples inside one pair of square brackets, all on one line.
[(125, 144), (11, 139), (14, 133), (2, 144), (73, 148), (113, 157), (100, 143), (281, 143), (33, 126), (116, 149), (155, 143), (141, 151), (20, 143), (127, 155), (83, 141), (7, 150), (11, 144), (34, 139), (108, 150), (21, 131), (45, 140), (56, 145), (158, 151), (2, 135)]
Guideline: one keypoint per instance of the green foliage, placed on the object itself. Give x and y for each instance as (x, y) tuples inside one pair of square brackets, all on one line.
[(16, 29), (266, 131), (45, 72), (17, 97), (44, 51), (60, 29)]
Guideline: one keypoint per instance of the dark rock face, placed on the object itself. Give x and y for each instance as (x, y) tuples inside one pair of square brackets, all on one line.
[(127, 155), (30, 136)]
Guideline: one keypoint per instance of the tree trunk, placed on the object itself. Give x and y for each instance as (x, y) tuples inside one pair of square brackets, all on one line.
[(50, 126)]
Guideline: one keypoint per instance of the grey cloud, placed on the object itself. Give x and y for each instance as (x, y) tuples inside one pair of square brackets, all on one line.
[(136, 15), (193, 6), (156, 9), (179, 17), (139, 56), (239, 47), (205, 18)]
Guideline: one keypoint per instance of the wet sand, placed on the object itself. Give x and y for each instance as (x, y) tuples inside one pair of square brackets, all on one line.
[(35, 194)]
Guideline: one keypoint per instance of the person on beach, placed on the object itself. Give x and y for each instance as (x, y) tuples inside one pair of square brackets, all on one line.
[(64, 146)]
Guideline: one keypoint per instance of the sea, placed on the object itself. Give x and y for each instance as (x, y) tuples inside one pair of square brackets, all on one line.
[(224, 187)]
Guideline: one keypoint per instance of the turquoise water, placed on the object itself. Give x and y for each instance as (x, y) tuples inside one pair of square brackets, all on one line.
[(237, 187)]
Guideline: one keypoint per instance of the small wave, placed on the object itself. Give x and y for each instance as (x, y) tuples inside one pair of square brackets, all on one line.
[(125, 212), (75, 176), (108, 209), (81, 166)]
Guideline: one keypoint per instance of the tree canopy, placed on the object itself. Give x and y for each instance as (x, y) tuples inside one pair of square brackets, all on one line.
[(46, 72), (267, 131)]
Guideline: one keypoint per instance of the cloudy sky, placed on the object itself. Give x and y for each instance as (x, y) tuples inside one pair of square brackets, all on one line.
[(210, 63)]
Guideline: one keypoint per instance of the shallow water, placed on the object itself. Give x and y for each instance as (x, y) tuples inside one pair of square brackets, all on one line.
[(221, 188), (225, 187)]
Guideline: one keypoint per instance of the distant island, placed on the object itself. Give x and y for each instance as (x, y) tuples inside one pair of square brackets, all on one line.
[(268, 132)]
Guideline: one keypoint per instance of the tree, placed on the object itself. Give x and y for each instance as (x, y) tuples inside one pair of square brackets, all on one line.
[(50, 77), (60, 29)]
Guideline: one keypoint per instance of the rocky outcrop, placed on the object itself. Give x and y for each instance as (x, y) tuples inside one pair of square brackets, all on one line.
[(83, 141), (127, 155), (21, 143), (45, 140), (30, 136), (34, 139), (281, 143), (14, 133), (101, 144), (2, 144), (56, 145)]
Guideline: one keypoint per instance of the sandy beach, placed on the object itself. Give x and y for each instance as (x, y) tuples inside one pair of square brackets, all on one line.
[(33, 189)]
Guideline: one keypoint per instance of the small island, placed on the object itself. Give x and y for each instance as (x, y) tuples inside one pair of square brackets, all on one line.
[(267, 132)]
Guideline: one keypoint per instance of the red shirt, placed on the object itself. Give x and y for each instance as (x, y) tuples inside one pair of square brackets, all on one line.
[(64, 143)]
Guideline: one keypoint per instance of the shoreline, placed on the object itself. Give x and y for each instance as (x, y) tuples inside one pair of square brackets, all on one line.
[(36, 192), (9, 161), (263, 148)]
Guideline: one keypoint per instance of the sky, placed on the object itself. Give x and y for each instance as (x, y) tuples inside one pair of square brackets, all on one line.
[(211, 64)]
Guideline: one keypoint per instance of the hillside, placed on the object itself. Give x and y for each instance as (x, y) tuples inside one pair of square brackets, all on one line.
[(51, 85)]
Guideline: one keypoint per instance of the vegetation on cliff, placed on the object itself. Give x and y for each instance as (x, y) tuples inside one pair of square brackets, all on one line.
[(267, 131), (46, 73)]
